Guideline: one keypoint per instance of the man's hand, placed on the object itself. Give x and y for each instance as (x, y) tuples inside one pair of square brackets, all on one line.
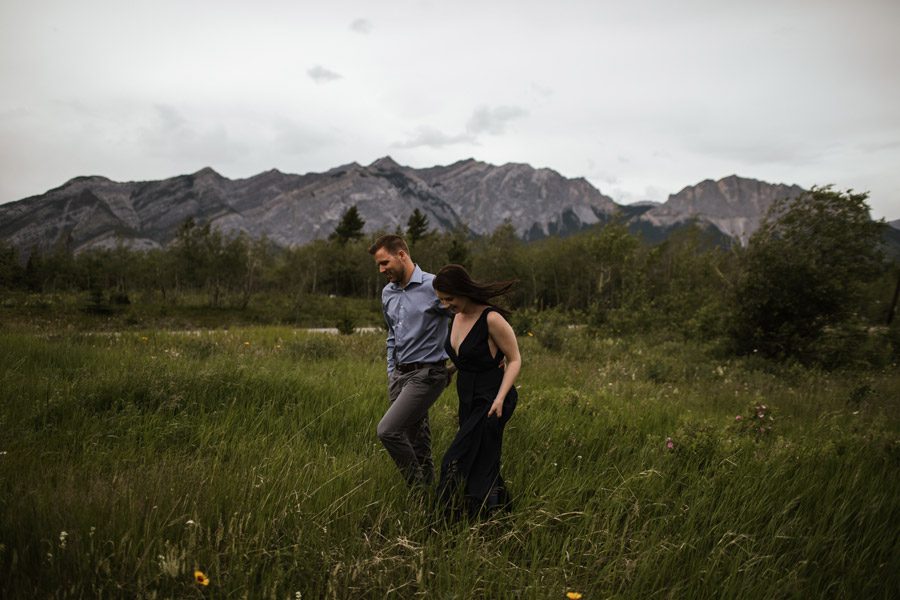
[(450, 371)]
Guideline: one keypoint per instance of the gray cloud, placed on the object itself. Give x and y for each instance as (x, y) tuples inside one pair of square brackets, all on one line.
[(434, 138), (541, 91), (173, 134), (874, 147), (493, 120), (293, 139), (169, 118), (684, 91), (484, 120), (753, 150), (320, 74), (363, 26), (14, 114)]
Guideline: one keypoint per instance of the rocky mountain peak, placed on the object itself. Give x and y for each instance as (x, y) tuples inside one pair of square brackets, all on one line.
[(294, 209), (87, 179), (734, 205), (352, 167), (385, 163), (207, 173)]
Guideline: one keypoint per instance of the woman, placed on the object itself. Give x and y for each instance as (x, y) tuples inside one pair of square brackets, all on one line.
[(483, 347)]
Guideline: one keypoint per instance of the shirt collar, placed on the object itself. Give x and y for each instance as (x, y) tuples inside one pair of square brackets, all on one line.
[(416, 277)]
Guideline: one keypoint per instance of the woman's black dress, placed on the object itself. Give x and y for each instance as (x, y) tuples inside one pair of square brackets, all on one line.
[(470, 471)]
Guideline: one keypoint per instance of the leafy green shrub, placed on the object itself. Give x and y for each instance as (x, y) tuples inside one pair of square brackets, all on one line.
[(697, 442), (804, 271), (758, 422), (96, 304), (658, 371), (852, 345), (346, 326), (522, 321), (550, 330), (120, 298)]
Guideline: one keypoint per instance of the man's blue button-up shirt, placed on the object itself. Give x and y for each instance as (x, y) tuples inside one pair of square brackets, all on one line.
[(417, 325)]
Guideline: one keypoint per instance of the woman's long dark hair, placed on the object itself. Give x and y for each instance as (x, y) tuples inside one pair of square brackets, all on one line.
[(456, 281)]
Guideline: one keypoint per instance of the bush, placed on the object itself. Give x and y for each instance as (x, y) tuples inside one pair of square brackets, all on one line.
[(120, 298), (852, 345), (522, 321), (695, 442), (96, 304), (804, 271), (346, 326), (757, 423), (550, 330)]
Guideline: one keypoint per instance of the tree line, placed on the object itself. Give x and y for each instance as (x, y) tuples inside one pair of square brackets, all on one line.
[(814, 271)]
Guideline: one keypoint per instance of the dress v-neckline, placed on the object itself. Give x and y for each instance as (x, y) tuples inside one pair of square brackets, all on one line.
[(468, 333)]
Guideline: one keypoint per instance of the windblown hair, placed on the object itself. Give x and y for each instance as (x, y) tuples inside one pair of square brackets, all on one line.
[(390, 242), (456, 281)]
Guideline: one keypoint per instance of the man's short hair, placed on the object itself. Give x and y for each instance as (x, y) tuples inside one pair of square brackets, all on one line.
[(390, 242)]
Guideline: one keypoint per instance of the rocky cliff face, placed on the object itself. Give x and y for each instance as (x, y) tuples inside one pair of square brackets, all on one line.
[(295, 209), (537, 202), (733, 205)]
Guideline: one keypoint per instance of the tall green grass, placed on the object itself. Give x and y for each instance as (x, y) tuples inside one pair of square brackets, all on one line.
[(131, 459)]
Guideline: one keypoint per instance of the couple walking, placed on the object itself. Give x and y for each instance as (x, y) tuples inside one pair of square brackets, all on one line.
[(430, 318)]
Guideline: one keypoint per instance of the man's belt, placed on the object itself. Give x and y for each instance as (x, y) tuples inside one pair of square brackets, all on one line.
[(408, 367)]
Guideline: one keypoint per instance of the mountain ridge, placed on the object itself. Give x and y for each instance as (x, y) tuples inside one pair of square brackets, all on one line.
[(293, 209)]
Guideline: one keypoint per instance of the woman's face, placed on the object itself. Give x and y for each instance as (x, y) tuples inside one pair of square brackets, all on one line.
[(455, 304)]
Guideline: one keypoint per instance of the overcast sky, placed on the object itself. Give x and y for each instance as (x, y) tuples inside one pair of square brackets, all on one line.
[(642, 98)]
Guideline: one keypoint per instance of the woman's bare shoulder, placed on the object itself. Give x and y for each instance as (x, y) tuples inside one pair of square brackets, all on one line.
[(494, 318)]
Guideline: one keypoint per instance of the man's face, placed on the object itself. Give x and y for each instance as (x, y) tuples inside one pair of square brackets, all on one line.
[(391, 265)]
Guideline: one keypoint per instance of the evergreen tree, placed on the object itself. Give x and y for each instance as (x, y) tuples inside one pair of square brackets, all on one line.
[(349, 228), (458, 252), (416, 226), (11, 271)]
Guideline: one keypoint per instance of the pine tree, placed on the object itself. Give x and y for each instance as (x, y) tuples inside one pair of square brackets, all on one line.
[(350, 226), (458, 252), (416, 226)]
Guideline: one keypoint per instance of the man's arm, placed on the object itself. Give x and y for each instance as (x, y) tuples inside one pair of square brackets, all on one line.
[(391, 363)]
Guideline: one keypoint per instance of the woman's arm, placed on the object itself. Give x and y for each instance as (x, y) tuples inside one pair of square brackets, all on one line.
[(504, 338)]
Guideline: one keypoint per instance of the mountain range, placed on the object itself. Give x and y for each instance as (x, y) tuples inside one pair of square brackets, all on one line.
[(293, 209)]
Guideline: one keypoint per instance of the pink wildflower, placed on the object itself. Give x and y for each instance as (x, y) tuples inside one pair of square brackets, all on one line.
[(739, 418), (670, 444)]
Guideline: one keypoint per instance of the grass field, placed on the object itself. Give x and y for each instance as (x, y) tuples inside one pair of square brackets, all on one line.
[(128, 460)]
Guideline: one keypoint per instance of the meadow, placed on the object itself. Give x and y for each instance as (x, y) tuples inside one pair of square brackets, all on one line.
[(641, 467)]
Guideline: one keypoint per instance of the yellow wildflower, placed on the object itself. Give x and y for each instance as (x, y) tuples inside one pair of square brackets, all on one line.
[(573, 595), (200, 578)]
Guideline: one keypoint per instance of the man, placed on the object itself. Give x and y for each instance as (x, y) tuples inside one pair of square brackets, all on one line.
[(416, 360)]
